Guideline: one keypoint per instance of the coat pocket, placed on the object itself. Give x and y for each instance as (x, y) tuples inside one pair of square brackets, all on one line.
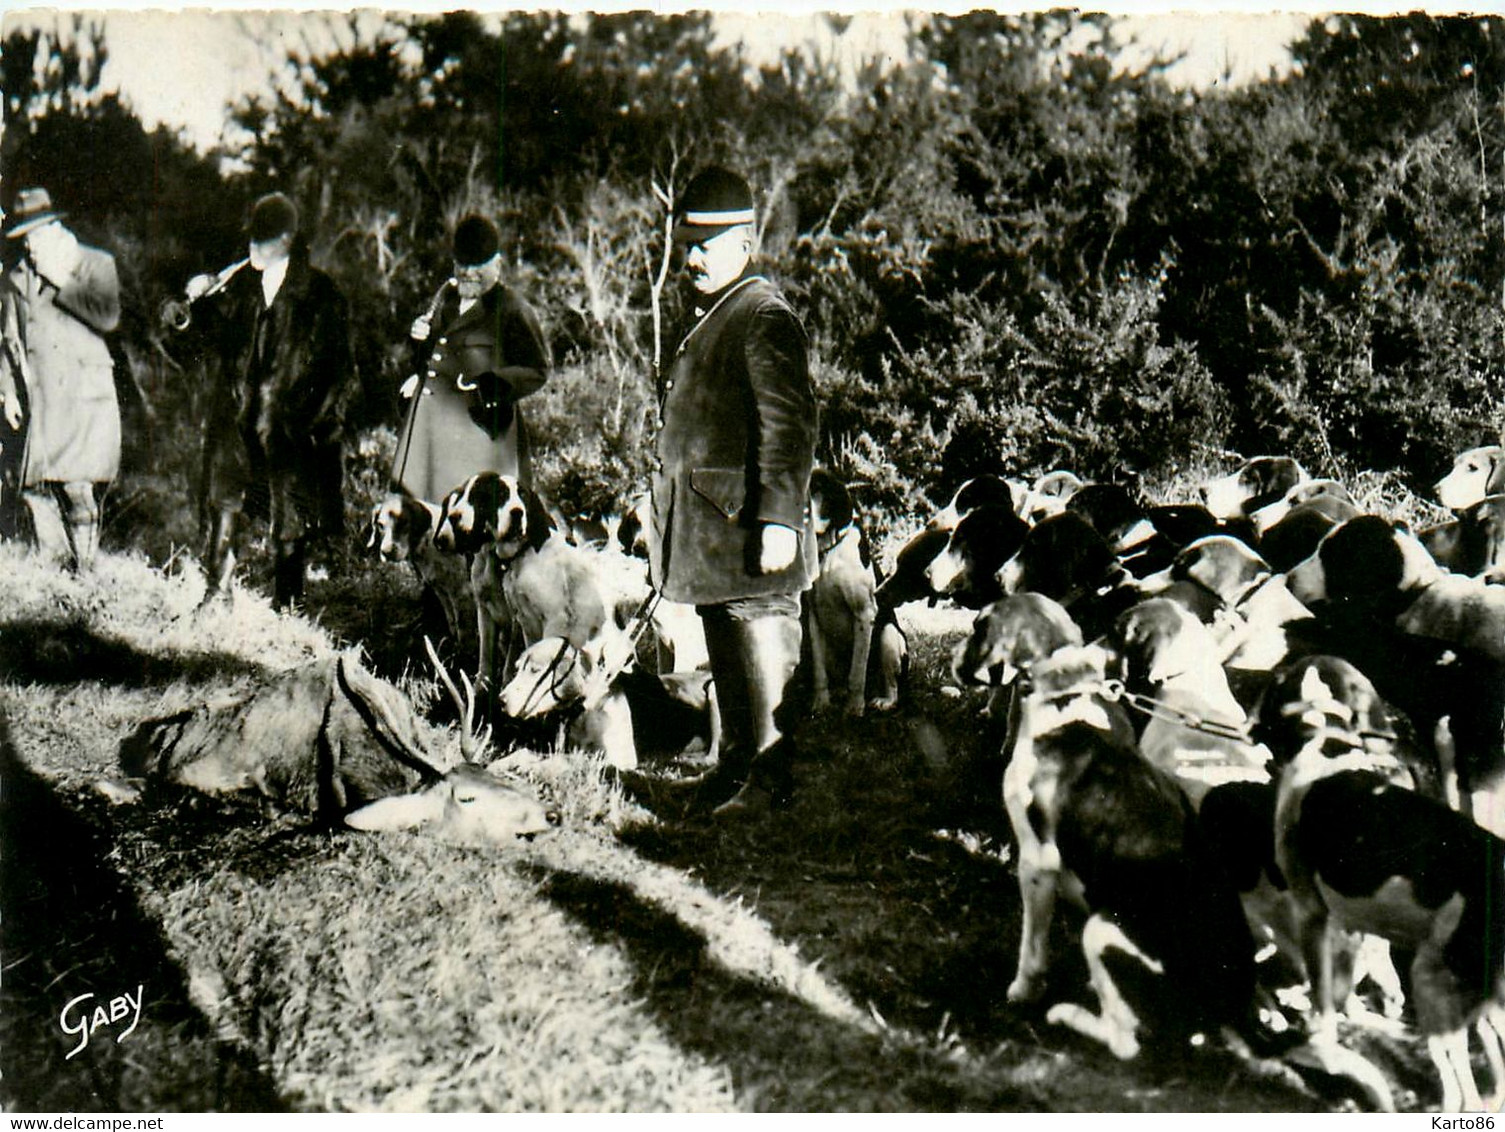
[(723, 488)]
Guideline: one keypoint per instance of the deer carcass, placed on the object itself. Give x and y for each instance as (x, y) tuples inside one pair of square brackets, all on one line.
[(331, 740)]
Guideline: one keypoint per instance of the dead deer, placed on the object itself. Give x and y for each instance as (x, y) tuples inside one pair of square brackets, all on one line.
[(331, 740)]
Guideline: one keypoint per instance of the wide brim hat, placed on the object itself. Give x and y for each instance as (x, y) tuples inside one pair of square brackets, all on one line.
[(715, 201), (32, 210)]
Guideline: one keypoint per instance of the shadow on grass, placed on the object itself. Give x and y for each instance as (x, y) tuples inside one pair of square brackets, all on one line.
[(868, 874), (70, 652), (783, 1054), (69, 926), (856, 871)]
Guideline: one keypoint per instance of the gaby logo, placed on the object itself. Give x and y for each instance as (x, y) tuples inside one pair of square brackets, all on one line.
[(79, 1018)]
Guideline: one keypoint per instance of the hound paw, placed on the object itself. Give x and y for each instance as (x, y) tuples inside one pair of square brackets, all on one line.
[(1121, 1043)]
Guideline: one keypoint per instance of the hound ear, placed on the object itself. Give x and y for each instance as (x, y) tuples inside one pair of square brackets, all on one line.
[(1496, 482), (540, 523), (839, 506), (142, 752)]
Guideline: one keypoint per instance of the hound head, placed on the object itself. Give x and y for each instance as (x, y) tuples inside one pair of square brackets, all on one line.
[(495, 509), (1057, 557), (550, 673), (1111, 508), (979, 491), (632, 532), (1326, 699), (1327, 489), (967, 567), (1222, 565), (465, 513), (1048, 495), (1010, 636), (1259, 481), (1160, 640), (399, 525), (1074, 669), (520, 520), (830, 504), (1367, 560), (1475, 474)]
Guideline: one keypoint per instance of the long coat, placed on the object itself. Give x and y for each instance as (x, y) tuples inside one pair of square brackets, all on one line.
[(736, 446), (463, 417), (286, 375), (73, 416), (12, 387)]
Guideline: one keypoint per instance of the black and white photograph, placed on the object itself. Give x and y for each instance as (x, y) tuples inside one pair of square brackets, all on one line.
[(741, 560)]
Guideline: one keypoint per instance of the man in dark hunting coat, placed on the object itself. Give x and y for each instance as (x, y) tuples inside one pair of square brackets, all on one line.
[(273, 446), (731, 529)]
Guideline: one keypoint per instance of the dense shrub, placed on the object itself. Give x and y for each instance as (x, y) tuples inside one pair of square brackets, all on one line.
[(1011, 252)]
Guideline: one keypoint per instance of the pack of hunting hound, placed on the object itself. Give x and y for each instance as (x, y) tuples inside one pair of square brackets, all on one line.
[(1258, 740)]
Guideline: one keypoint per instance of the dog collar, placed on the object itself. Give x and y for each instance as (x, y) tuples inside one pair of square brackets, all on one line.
[(1106, 584)]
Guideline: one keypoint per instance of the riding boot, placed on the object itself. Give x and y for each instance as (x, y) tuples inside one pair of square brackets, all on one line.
[(83, 523), (47, 525), (734, 750), (287, 580), (769, 653), (219, 555)]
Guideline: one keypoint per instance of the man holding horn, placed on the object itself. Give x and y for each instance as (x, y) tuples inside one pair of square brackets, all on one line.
[(273, 449)]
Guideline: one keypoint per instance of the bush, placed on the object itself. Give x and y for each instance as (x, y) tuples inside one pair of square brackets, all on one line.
[(590, 433)]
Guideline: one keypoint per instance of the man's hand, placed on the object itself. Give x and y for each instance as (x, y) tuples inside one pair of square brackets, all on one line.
[(421, 329), (198, 287), (12, 406), (779, 546)]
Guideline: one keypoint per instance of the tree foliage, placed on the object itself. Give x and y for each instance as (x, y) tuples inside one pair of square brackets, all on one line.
[(1012, 251)]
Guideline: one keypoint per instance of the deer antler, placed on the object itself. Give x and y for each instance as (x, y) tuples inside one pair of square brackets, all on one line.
[(472, 743)]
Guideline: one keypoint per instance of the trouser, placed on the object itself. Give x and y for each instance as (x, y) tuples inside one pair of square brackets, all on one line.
[(290, 555), (754, 649), (11, 445), (65, 521)]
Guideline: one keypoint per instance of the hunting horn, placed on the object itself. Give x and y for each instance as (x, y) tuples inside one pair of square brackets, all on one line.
[(177, 313)]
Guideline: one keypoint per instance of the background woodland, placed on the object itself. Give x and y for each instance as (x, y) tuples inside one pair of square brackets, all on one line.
[(1012, 250)]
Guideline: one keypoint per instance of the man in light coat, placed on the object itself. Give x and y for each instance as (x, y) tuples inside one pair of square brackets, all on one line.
[(488, 352), (12, 408), (66, 299), (731, 526)]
